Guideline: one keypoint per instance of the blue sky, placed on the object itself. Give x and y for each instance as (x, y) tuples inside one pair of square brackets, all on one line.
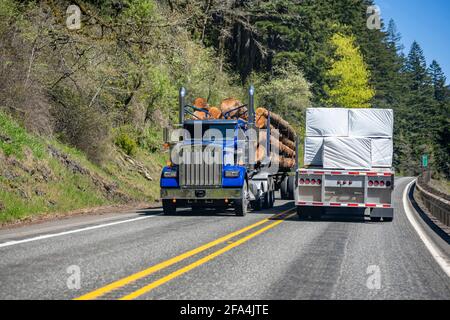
[(427, 22)]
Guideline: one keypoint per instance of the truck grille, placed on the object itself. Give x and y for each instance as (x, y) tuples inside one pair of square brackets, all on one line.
[(201, 166)]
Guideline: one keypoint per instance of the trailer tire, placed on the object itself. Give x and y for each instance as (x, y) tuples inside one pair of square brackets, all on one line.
[(169, 208), (272, 199), (291, 187), (300, 213), (260, 203), (284, 189)]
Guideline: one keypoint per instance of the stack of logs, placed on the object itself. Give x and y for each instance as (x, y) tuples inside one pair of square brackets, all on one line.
[(282, 135), (282, 138)]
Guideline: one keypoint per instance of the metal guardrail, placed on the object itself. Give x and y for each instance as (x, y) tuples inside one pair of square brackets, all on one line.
[(436, 202)]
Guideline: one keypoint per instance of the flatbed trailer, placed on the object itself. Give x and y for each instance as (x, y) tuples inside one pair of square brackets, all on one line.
[(318, 189)]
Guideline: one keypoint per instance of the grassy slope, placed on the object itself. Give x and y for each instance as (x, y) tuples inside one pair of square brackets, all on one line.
[(33, 182)]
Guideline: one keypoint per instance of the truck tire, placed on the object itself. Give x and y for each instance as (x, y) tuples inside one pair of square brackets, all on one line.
[(314, 213), (272, 199), (291, 187), (260, 203), (169, 208), (241, 205), (284, 189)]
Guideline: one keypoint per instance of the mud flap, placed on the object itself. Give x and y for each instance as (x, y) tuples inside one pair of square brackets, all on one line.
[(382, 213)]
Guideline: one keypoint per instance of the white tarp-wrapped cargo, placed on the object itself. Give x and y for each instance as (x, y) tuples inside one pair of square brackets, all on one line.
[(347, 153), (371, 123), (313, 151), (382, 151), (327, 122)]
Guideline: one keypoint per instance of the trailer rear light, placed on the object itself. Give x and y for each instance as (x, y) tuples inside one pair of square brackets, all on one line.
[(376, 183), (307, 181), (350, 183), (388, 183), (319, 182), (344, 182), (370, 183), (302, 181), (313, 181), (382, 183)]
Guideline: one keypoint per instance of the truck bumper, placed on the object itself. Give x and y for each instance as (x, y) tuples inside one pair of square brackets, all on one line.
[(201, 194)]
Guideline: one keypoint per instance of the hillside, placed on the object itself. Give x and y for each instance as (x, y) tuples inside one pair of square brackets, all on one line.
[(44, 176)]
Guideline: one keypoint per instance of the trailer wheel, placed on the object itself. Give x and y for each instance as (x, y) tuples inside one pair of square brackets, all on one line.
[(291, 187), (169, 208), (300, 213), (284, 189), (241, 205), (316, 215), (260, 203), (272, 199)]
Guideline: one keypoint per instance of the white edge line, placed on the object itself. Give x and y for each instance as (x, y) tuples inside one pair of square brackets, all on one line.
[(53, 235), (435, 251)]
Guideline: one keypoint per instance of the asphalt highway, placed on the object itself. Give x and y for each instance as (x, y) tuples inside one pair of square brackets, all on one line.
[(209, 255)]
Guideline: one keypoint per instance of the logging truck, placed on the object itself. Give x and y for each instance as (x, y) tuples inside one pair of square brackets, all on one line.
[(229, 156)]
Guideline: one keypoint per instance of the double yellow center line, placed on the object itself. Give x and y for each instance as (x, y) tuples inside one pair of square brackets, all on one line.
[(160, 266)]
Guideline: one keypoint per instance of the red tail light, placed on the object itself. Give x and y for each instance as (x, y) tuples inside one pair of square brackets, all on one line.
[(313, 181), (307, 181), (382, 183), (370, 183), (319, 182), (376, 183), (302, 181)]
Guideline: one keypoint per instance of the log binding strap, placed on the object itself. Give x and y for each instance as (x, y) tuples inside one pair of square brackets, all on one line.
[(226, 115)]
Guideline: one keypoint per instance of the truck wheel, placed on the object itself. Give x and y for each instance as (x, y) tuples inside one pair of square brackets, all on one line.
[(259, 204), (241, 205), (169, 208), (300, 213), (315, 213), (284, 188), (291, 187), (267, 199)]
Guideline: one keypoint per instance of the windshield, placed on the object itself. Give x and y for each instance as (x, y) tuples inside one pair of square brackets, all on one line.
[(209, 131)]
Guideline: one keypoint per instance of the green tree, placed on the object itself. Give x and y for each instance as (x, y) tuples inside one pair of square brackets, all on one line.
[(438, 80), (350, 78)]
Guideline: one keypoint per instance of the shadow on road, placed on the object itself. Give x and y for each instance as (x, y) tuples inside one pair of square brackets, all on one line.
[(347, 215), (216, 212)]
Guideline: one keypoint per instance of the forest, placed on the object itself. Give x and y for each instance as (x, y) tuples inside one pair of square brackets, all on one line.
[(112, 83)]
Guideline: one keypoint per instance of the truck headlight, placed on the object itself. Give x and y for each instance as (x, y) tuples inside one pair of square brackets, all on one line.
[(232, 174), (170, 174)]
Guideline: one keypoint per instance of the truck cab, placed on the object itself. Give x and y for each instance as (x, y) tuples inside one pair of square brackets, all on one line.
[(212, 164), (206, 168)]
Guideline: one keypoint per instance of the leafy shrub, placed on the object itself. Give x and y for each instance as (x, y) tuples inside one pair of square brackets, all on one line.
[(126, 143)]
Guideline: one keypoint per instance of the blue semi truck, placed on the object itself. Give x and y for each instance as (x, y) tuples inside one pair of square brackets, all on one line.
[(212, 163)]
